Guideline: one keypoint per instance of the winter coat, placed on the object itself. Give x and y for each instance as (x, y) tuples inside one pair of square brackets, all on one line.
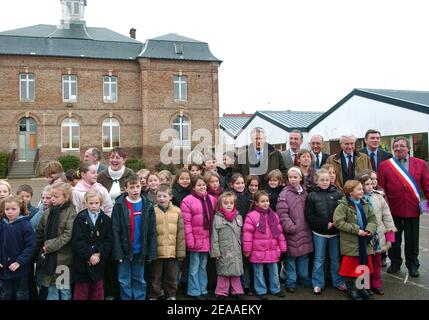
[(319, 209), (385, 221), (361, 162), (225, 176), (170, 233), (61, 244), (79, 193), (17, 244), (402, 202), (106, 180), (88, 239), (226, 245), (122, 245), (247, 155), (345, 220), (273, 194), (291, 209), (244, 202), (263, 247), (179, 194), (197, 239)]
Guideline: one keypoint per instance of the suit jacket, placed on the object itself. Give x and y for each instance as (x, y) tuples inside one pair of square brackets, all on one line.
[(325, 157), (381, 156), (401, 201), (287, 159)]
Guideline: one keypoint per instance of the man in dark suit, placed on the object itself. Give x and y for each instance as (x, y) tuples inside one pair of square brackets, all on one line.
[(290, 156), (376, 156), (93, 155), (373, 151), (319, 157)]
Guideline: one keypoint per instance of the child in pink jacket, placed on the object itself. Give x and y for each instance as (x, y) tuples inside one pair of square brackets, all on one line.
[(198, 213), (263, 243)]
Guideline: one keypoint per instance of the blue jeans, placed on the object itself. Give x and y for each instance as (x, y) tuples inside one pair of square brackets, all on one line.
[(131, 279), (56, 294), (14, 289), (259, 280), (296, 269), (318, 276), (197, 274)]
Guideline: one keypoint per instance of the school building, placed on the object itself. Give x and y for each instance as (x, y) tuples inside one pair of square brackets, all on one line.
[(69, 87)]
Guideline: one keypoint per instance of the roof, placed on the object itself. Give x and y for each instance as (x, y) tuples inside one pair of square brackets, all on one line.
[(407, 99), (176, 47), (232, 124), (77, 41)]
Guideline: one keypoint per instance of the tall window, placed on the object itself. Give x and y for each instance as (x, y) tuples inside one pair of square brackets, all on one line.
[(70, 134), (26, 87), (69, 88), (182, 126), (74, 7), (181, 88), (111, 133), (110, 89)]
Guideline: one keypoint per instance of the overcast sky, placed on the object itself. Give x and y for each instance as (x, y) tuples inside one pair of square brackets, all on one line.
[(278, 54)]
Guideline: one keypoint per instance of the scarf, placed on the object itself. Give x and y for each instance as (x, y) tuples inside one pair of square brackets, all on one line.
[(361, 218), (49, 264), (215, 193), (230, 216), (368, 198), (272, 221), (208, 212)]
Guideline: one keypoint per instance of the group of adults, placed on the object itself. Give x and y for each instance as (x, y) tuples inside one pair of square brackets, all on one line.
[(402, 177)]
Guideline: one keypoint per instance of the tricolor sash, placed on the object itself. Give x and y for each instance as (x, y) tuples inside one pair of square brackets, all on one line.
[(404, 176)]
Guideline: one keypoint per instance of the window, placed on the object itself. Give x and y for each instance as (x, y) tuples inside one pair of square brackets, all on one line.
[(180, 88), (69, 88), (111, 133), (74, 8), (182, 126), (110, 89), (26, 87), (70, 134)]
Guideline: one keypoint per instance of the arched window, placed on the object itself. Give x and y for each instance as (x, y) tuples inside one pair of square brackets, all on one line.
[(70, 134), (111, 133), (182, 126)]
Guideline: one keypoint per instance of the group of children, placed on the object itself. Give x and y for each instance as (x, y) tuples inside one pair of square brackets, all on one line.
[(162, 232)]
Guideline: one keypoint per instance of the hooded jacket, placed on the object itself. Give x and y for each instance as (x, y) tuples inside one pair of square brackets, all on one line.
[(79, 193)]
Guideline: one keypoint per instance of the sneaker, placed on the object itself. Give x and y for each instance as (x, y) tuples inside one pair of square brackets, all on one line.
[(342, 287), (171, 298), (109, 298), (262, 296), (317, 290), (413, 272), (220, 297)]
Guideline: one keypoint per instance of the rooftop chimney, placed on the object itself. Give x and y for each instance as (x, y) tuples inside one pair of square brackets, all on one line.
[(133, 33)]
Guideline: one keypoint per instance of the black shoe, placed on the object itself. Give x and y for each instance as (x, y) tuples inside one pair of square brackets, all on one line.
[(364, 294), (280, 294), (238, 296), (352, 292), (291, 290), (220, 297), (413, 272), (262, 296), (248, 292), (384, 262), (393, 269)]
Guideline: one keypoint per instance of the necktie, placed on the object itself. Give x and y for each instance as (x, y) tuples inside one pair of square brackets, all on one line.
[(317, 161), (258, 155), (350, 167), (295, 160), (372, 158)]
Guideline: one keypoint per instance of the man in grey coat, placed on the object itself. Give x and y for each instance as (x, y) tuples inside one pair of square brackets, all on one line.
[(93, 155), (290, 156)]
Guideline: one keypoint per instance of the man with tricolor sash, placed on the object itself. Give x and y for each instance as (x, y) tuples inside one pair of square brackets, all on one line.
[(403, 178)]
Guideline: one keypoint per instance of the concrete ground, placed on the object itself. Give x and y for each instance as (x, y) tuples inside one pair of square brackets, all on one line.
[(396, 287)]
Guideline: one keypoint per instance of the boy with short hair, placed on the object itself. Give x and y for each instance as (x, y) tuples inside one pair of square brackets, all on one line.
[(26, 192), (134, 239), (171, 245)]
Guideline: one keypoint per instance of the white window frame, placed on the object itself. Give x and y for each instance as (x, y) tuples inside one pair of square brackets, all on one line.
[(27, 82), (182, 124), (180, 81), (110, 123), (69, 80), (70, 123), (107, 98), (71, 6)]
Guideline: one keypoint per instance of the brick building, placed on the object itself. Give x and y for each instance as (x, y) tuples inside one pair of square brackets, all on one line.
[(68, 87)]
